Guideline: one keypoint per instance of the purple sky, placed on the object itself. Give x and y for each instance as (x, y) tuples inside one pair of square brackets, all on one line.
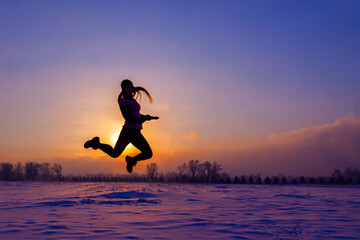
[(224, 75)]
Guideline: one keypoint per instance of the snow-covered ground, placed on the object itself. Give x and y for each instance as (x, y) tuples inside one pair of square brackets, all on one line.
[(38, 210)]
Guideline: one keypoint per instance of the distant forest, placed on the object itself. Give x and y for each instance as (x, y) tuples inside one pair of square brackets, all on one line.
[(192, 171)]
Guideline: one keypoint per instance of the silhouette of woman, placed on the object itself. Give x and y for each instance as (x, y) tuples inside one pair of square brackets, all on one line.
[(131, 131)]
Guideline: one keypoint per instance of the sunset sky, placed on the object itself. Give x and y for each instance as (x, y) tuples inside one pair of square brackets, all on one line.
[(259, 86)]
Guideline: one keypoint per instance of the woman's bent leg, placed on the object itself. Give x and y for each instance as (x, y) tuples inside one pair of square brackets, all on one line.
[(120, 146), (140, 143), (109, 150)]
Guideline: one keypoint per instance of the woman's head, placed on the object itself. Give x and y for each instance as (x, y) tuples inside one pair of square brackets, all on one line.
[(128, 90), (125, 82)]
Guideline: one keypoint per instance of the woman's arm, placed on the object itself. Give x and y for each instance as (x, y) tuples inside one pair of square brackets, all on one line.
[(126, 114), (148, 117)]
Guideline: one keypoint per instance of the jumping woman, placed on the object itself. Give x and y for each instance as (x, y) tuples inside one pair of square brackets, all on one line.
[(131, 131)]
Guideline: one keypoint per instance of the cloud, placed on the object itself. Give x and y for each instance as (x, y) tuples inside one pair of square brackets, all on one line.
[(314, 151), (192, 135), (309, 151)]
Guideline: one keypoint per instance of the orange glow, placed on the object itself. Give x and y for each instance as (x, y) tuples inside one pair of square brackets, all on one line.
[(115, 137), (130, 149)]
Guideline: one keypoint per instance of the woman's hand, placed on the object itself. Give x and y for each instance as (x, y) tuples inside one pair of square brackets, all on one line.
[(153, 118), (148, 117)]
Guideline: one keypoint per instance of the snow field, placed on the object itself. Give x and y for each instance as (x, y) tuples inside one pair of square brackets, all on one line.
[(48, 210)]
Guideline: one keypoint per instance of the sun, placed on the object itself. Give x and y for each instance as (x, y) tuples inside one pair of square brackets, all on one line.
[(114, 138)]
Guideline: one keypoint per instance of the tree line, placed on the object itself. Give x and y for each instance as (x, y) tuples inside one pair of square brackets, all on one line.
[(30, 171), (192, 171)]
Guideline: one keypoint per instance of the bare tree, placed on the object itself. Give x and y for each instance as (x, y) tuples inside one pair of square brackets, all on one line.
[(302, 180), (201, 172), (171, 177), (251, 180), (193, 166), (152, 171), (161, 177), (204, 171), (19, 171), (32, 170), (45, 171), (215, 172), (267, 180), (259, 180), (183, 170), (352, 175), (312, 180), (6, 171), (338, 176), (236, 180), (207, 166), (225, 177), (243, 180), (57, 171)]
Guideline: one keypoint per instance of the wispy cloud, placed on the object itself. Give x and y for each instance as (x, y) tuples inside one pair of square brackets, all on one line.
[(192, 135), (309, 151)]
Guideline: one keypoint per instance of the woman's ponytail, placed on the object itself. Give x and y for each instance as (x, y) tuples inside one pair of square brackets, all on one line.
[(138, 91)]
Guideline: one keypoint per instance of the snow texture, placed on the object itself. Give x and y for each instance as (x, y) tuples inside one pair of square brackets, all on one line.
[(40, 210)]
